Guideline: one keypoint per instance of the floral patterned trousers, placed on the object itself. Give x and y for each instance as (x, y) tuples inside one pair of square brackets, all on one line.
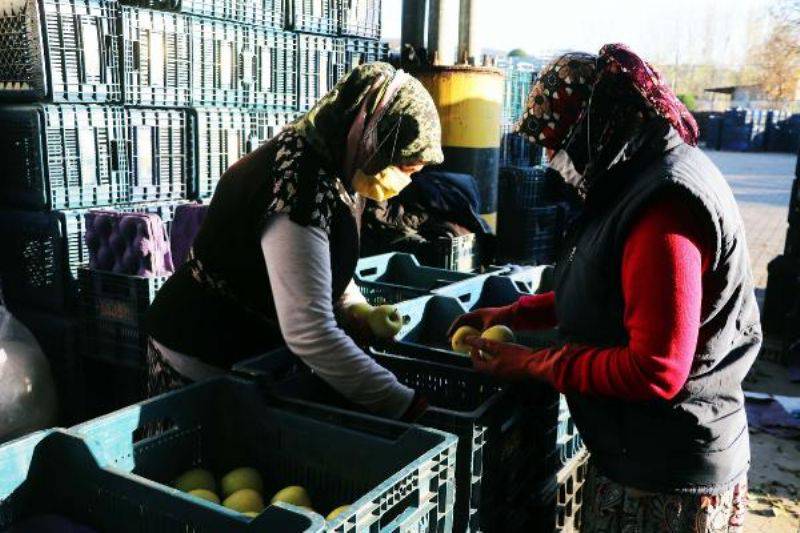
[(613, 508)]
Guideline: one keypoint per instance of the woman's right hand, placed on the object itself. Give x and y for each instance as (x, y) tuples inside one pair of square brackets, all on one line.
[(484, 318)]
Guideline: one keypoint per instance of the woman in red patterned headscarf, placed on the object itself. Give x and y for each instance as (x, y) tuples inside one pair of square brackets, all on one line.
[(654, 305)]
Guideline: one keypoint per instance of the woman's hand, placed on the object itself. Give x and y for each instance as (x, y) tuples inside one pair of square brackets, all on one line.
[(484, 318), (513, 362)]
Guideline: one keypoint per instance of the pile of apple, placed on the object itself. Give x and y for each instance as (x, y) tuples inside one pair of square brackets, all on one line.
[(497, 333), (242, 490), (384, 320)]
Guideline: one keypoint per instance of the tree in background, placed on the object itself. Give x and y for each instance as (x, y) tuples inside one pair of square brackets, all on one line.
[(776, 61), (688, 100), (517, 52)]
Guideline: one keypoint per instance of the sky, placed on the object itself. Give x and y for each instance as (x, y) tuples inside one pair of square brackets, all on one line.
[(661, 30)]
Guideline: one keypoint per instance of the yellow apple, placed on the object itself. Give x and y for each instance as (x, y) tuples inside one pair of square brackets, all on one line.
[(295, 495), (196, 478), (385, 321), (499, 333), (462, 333), (336, 512), (360, 311), (245, 501), (205, 494), (242, 478)]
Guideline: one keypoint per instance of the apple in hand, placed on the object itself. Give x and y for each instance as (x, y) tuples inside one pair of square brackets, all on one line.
[(464, 332), (359, 312), (497, 333), (385, 321)]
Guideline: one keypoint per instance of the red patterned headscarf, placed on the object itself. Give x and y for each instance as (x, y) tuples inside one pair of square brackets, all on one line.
[(603, 99)]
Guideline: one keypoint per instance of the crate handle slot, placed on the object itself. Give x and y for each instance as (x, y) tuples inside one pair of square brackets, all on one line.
[(371, 271), (114, 155), (136, 50), (465, 297), (523, 286)]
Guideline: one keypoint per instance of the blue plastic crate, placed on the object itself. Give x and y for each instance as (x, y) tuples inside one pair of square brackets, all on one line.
[(495, 425), (60, 51), (320, 64), (314, 16), (360, 18), (499, 290), (362, 51), (394, 277), (157, 57), (56, 473), (264, 13), (392, 475), (63, 156), (161, 153)]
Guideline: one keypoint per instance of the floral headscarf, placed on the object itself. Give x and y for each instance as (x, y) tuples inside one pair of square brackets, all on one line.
[(307, 175), (596, 107)]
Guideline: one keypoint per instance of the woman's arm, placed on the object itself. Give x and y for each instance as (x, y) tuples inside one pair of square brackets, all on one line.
[(298, 263), (537, 311), (662, 268)]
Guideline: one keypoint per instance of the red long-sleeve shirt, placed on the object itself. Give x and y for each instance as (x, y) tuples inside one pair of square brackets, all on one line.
[(663, 262)]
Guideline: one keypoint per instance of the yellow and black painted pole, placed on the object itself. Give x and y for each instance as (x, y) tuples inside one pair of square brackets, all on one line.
[(470, 104)]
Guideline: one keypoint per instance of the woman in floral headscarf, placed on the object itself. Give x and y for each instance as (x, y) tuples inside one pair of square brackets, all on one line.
[(277, 250), (653, 302)]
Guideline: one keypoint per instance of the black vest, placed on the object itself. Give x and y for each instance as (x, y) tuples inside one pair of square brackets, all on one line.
[(698, 441), (224, 327)]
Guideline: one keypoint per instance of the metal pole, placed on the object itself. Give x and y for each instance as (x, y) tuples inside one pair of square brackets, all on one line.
[(467, 43), (443, 30), (413, 24)]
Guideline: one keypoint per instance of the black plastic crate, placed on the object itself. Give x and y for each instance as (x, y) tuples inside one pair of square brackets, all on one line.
[(62, 156), (461, 253), (157, 60), (60, 51), (160, 152), (58, 336), (41, 255), (222, 138), (238, 65), (111, 386), (530, 236), (113, 308), (782, 294), (320, 65), (360, 18), (556, 504), (496, 426), (269, 69), (362, 51), (314, 16)]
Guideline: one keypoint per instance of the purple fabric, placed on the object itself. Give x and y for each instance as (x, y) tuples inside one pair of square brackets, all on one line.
[(185, 225), (128, 243), (769, 416)]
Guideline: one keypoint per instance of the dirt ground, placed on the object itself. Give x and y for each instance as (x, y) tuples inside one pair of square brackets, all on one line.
[(775, 470)]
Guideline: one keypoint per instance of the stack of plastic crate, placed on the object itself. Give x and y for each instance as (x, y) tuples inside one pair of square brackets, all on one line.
[(516, 149)]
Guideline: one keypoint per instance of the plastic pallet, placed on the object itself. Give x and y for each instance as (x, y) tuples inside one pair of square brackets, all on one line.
[(113, 307), (391, 474), (161, 152), (239, 65), (314, 16), (59, 338), (321, 62), (362, 51), (56, 473), (62, 156), (59, 51), (394, 277), (157, 60), (360, 18), (494, 425)]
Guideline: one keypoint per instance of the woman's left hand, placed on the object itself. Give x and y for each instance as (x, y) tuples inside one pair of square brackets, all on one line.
[(512, 361)]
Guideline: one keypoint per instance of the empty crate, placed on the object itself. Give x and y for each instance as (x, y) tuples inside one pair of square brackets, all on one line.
[(157, 49), (239, 65), (360, 18), (320, 65), (62, 156), (361, 51), (59, 51), (313, 16), (160, 151)]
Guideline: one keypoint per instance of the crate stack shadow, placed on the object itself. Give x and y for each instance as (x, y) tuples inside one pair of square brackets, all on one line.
[(139, 106)]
